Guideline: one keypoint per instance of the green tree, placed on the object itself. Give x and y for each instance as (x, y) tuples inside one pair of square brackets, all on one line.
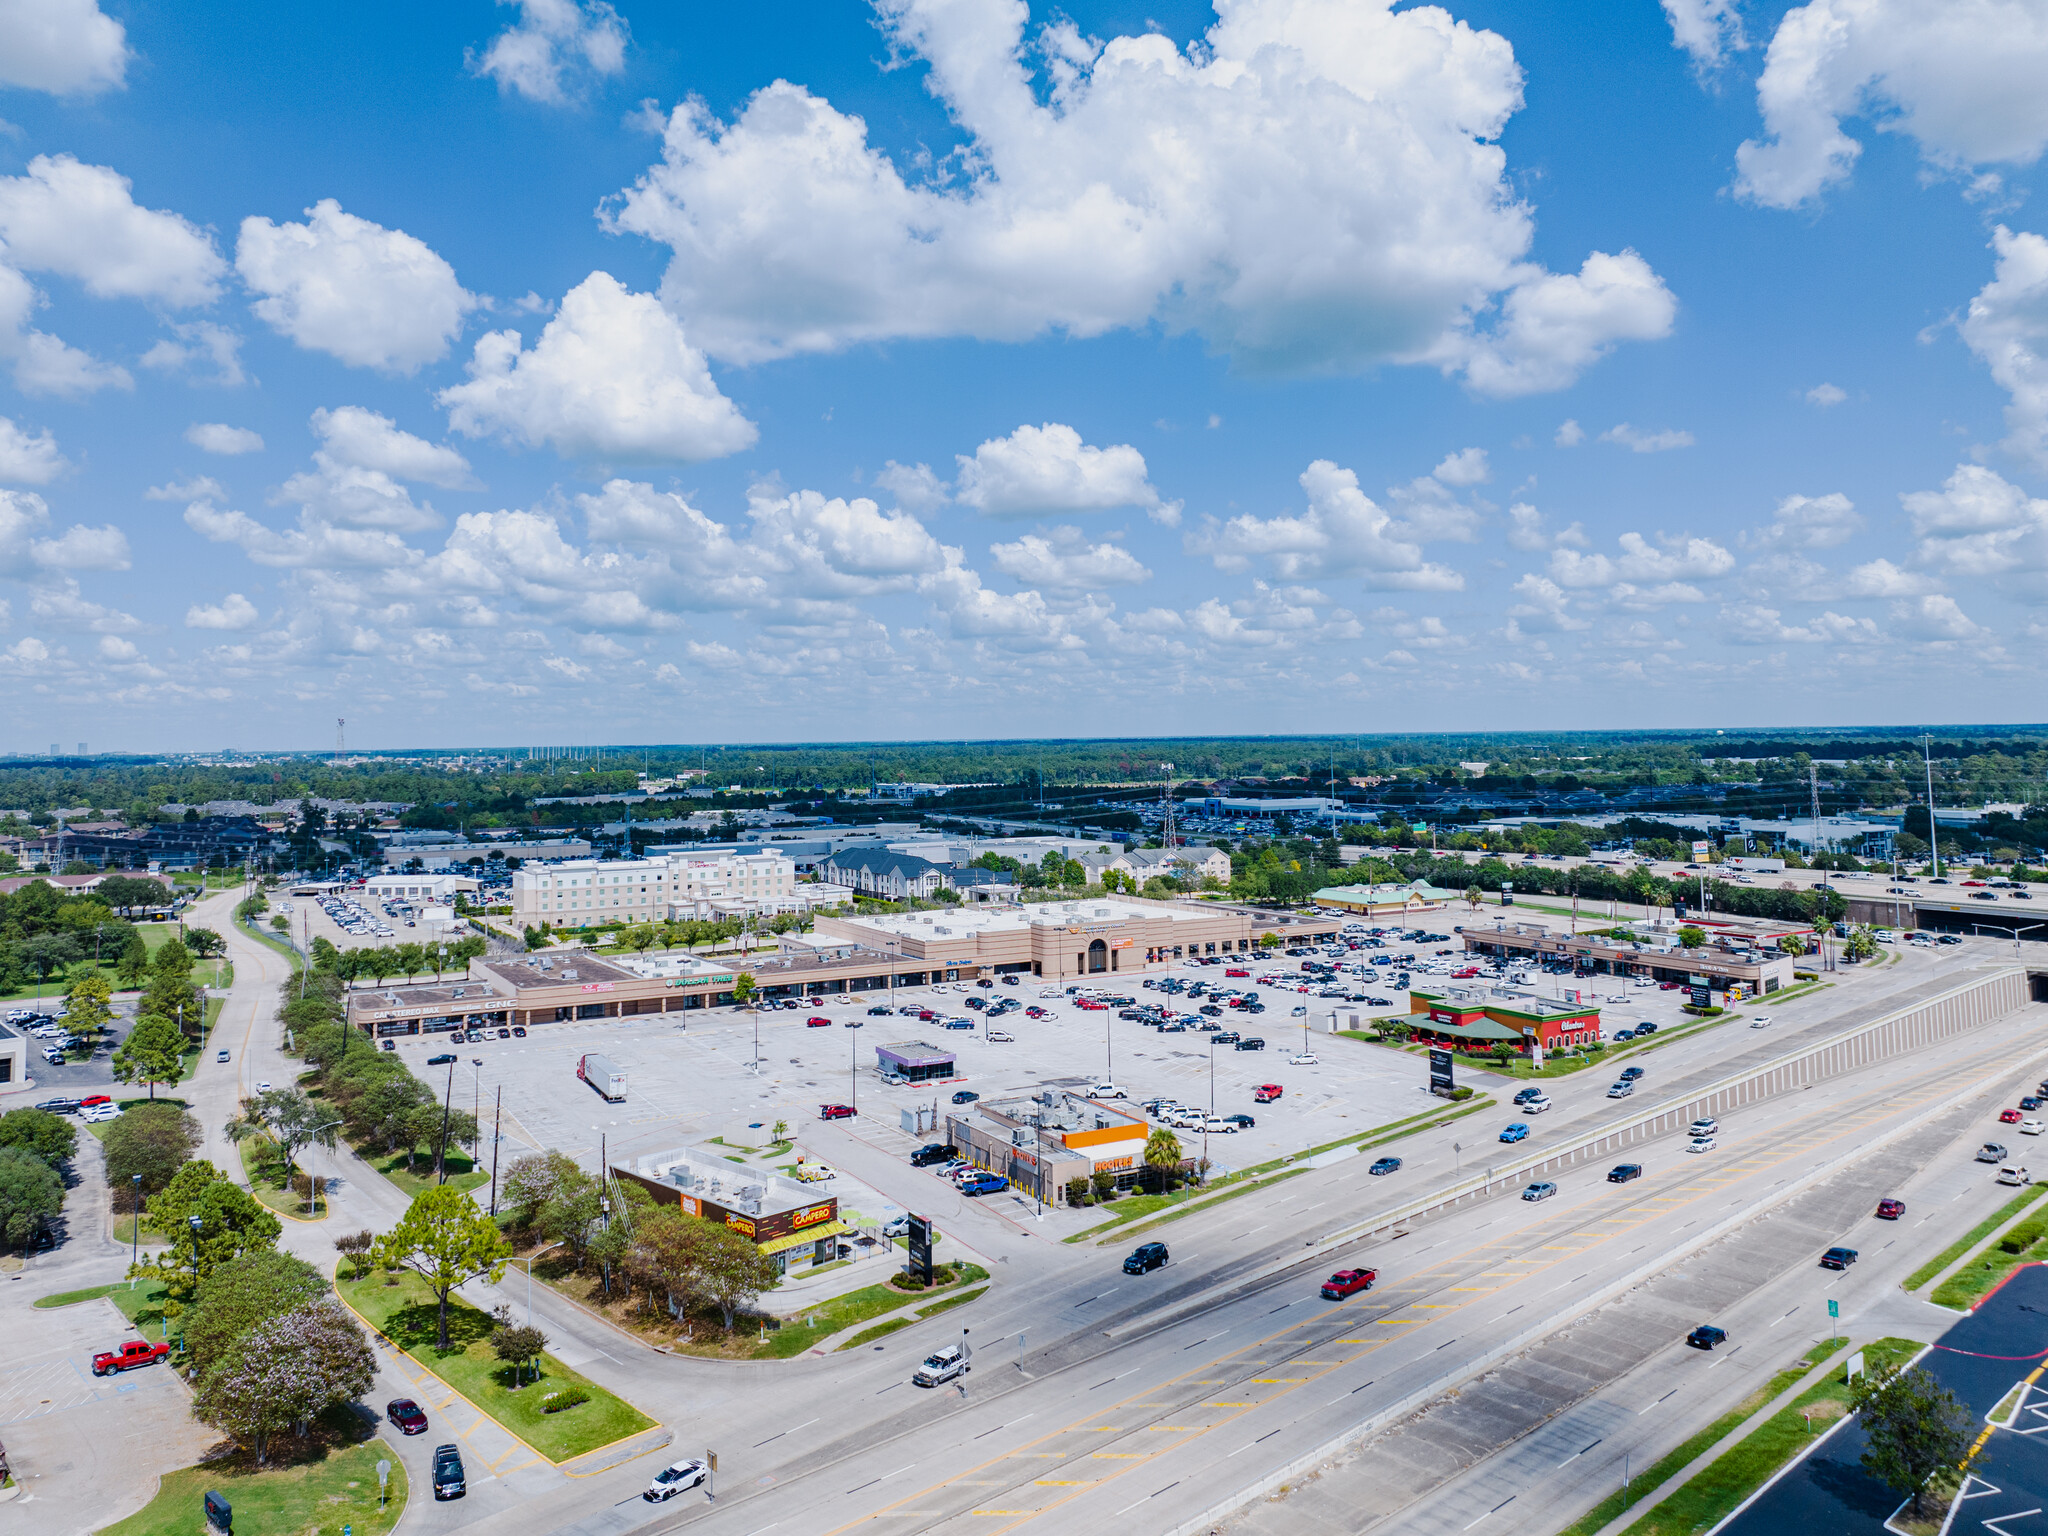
[(1861, 945), (205, 943), (515, 1345), (411, 959), (727, 1270), (229, 1224), (47, 954), (445, 1240), (1792, 944), (1690, 937), (151, 1142), (241, 1294), (50, 1137), (1473, 896), (172, 960), (31, 1195), (743, 987), (133, 967), (1914, 1427), (356, 1247), (150, 1054), (1163, 1157), (289, 1119)]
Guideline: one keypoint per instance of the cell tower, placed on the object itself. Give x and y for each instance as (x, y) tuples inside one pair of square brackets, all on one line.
[(340, 740), (1168, 839)]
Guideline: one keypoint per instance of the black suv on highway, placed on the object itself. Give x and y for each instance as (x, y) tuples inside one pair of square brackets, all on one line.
[(448, 1479), (1147, 1257)]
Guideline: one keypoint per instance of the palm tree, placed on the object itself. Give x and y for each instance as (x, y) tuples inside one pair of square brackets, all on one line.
[(1162, 1155)]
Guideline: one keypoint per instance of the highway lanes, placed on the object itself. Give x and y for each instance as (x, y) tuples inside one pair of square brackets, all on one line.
[(1178, 1418)]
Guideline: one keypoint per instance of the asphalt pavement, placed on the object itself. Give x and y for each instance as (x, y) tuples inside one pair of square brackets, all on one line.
[(1981, 1359)]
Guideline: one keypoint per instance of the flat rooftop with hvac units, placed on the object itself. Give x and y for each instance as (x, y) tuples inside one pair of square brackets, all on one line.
[(1041, 1141), (1074, 938), (1732, 952), (787, 1221)]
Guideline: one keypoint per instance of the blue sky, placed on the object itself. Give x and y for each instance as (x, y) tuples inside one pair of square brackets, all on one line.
[(545, 372)]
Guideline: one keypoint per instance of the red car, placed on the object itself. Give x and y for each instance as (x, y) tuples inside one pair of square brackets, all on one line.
[(405, 1416), (2005, 1116), (111, 1362), (1670, 986), (1466, 974), (1037, 1013), (1266, 1093), (1891, 1210), (1236, 970), (817, 1021), (101, 1098), (836, 1111), (1348, 1282)]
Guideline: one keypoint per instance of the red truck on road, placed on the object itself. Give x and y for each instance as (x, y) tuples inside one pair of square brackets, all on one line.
[(131, 1354)]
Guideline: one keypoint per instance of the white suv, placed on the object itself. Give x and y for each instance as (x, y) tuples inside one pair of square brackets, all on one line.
[(942, 1366)]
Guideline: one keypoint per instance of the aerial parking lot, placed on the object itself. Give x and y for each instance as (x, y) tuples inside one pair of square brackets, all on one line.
[(691, 1078)]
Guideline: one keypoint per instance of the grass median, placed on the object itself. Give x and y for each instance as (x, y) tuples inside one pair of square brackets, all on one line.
[(1667, 1466), (1986, 1271), (334, 1488), (882, 1330), (1973, 1237), (140, 1302), (404, 1313), (1715, 1492), (841, 1312)]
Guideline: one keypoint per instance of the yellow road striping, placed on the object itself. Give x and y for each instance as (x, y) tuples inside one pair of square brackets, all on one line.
[(1833, 1130)]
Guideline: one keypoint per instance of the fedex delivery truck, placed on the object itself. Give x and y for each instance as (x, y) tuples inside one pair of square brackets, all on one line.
[(607, 1079)]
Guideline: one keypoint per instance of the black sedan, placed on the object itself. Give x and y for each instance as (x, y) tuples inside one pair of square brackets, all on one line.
[(1838, 1258), (1706, 1337)]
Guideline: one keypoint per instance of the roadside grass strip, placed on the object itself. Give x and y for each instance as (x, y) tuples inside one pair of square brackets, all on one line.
[(315, 1498), (1986, 1271), (140, 1303), (1974, 1236), (404, 1314), (1716, 1492), (869, 1335)]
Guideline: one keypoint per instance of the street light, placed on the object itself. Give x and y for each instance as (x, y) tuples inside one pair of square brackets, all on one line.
[(135, 1231)]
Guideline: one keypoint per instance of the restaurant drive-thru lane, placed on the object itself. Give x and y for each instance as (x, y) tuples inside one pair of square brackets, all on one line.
[(1178, 1418)]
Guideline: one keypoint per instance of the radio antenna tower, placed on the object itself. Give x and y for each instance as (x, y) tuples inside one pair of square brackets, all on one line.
[(1167, 838), (340, 739)]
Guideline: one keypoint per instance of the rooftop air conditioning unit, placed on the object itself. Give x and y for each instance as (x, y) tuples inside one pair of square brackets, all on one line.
[(569, 976)]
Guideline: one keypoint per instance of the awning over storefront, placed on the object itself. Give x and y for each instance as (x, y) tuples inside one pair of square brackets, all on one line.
[(810, 1234)]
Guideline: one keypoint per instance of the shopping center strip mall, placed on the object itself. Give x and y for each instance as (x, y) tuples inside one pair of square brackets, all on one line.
[(1095, 941)]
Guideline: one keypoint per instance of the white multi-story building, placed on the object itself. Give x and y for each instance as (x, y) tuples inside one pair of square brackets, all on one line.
[(579, 891)]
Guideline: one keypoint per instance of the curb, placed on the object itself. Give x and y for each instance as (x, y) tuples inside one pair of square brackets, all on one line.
[(1424, 1395), (403, 1353), (1804, 1451)]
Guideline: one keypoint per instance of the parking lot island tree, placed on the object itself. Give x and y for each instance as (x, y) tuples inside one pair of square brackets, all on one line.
[(447, 1241), (31, 1195), (150, 1054), (1915, 1428), (145, 1148), (208, 1222)]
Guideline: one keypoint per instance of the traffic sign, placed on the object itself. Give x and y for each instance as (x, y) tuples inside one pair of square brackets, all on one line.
[(1834, 1308)]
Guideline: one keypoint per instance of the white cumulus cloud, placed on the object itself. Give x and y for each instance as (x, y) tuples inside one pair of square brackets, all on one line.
[(1980, 525), (82, 222), (1825, 395), (1342, 532), (1809, 522), (219, 437), (553, 38), (65, 47), (1468, 466), (1065, 561), (43, 364), (1708, 30), (371, 296), (914, 486), (1637, 441), (1313, 186), (232, 612), (1678, 559), (2007, 327), (352, 435), (26, 459), (1570, 435), (1048, 469), (1962, 78), (611, 377)]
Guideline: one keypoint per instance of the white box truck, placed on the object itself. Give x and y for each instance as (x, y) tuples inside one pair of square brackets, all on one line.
[(607, 1079)]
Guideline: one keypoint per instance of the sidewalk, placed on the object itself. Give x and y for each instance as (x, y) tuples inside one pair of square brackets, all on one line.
[(1713, 1453)]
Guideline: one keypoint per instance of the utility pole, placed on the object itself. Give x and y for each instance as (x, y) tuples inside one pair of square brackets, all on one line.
[(1933, 833), (1813, 778), (497, 1136)]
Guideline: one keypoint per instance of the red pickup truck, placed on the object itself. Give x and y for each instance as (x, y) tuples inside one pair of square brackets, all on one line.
[(131, 1354)]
